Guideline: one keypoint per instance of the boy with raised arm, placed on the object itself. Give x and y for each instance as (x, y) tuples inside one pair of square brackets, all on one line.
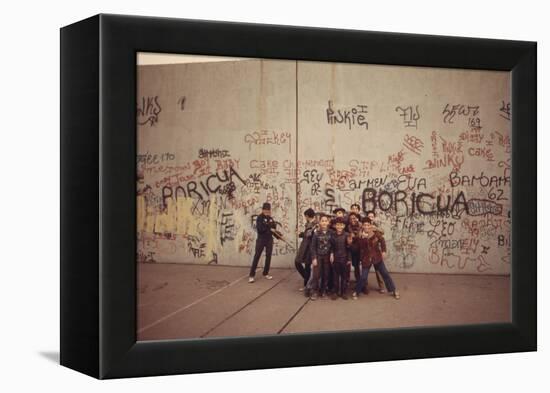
[(264, 225)]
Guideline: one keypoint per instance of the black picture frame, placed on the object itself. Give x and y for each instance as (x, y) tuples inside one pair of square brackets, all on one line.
[(98, 188)]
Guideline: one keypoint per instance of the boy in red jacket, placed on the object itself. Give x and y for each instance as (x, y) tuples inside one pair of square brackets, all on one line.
[(373, 250)]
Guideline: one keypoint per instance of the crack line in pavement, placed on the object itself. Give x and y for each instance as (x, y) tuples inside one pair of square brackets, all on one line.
[(189, 305), (243, 307), (293, 316)]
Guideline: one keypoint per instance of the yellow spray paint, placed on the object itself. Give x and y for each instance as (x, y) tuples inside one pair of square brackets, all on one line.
[(171, 216), (211, 229), (141, 213), (186, 222)]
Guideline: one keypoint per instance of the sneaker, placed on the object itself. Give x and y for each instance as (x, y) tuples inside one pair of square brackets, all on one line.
[(345, 297), (334, 296), (313, 297), (301, 289), (307, 293), (251, 279), (396, 295), (382, 290), (268, 277), (354, 296)]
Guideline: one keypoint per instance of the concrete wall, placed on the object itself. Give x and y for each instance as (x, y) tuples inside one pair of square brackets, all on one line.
[(206, 135), (428, 149)]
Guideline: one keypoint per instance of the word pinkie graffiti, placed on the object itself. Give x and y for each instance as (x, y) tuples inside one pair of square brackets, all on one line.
[(355, 117)]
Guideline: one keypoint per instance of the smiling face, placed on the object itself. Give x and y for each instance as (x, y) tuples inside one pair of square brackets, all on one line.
[(340, 227), (266, 212), (354, 209), (353, 219), (323, 223), (371, 215), (367, 227)]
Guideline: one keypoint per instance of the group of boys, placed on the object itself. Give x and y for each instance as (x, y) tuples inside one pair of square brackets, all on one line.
[(330, 247)]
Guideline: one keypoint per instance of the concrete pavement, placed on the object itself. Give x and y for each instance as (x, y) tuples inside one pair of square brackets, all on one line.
[(190, 301)]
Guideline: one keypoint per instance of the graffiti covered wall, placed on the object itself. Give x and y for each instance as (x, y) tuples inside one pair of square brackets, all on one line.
[(427, 149), (208, 137)]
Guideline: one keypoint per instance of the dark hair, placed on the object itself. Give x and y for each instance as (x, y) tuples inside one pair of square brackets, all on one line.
[(355, 214), (340, 220), (339, 209), (371, 211), (309, 212), (355, 205), (366, 219), (323, 215)]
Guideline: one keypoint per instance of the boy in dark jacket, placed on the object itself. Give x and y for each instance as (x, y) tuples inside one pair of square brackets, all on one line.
[(303, 256), (264, 225), (339, 212), (340, 260), (354, 231), (321, 251)]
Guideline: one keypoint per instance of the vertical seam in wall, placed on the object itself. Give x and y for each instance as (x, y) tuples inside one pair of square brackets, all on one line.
[(296, 164)]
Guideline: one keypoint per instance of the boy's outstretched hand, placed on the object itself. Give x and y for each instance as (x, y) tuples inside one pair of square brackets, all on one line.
[(314, 262), (331, 258)]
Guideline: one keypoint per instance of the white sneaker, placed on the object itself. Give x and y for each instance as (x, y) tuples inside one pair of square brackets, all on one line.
[(251, 279), (268, 277)]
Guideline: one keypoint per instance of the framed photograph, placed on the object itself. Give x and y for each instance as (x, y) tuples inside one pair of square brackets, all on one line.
[(227, 188)]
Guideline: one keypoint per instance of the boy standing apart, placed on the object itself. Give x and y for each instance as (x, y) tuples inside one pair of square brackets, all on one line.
[(340, 259), (264, 225), (321, 251)]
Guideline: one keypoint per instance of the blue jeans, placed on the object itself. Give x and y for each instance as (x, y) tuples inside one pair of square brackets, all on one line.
[(379, 267)]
